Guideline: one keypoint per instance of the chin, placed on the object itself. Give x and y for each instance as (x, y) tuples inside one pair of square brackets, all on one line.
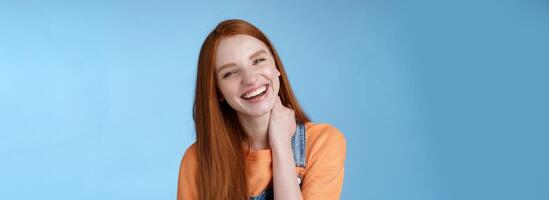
[(256, 112)]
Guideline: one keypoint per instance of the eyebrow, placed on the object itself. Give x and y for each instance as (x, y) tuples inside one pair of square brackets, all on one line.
[(233, 64), (257, 53)]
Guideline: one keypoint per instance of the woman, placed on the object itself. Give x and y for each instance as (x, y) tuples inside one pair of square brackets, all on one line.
[(253, 140)]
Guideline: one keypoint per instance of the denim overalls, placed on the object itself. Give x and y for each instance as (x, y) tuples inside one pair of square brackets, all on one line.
[(298, 148)]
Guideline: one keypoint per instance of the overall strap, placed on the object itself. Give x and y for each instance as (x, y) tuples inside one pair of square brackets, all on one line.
[(299, 145)]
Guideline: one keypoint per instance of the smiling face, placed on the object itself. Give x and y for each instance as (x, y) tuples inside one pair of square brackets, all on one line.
[(246, 75)]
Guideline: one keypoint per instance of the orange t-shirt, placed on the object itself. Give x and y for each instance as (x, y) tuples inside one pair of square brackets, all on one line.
[(322, 178)]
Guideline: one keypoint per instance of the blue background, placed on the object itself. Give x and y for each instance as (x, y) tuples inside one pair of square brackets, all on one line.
[(437, 99)]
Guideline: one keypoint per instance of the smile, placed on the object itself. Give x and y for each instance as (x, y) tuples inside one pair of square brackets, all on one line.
[(256, 94)]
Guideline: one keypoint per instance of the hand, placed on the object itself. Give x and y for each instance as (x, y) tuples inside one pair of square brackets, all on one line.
[(282, 125)]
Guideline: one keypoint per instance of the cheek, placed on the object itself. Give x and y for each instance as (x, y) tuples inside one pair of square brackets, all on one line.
[(276, 83), (226, 89), (276, 77), (271, 72)]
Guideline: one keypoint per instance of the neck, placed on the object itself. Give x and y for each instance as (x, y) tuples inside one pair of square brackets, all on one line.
[(256, 128)]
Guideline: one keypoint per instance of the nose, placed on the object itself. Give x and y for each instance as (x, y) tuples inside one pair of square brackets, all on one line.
[(249, 77)]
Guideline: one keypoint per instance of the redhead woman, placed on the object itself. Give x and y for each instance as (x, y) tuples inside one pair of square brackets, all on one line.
[(253, 140)]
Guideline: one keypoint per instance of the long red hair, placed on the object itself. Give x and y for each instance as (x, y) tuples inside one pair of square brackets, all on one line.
[(221, 160)]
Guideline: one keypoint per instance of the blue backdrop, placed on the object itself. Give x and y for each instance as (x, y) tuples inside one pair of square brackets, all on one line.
[(437, 99)]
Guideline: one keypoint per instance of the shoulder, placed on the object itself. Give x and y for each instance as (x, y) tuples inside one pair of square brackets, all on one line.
[(325, 143), (189, 160), (324, 134), (187, 187)]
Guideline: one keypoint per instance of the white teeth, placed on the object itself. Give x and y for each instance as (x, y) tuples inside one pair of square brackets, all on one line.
[(255, 92)]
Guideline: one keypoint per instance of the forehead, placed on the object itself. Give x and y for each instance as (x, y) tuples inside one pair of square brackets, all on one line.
[(234, 49)]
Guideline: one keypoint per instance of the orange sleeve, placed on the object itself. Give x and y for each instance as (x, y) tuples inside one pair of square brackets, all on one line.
[(325, 177), (187, 186)]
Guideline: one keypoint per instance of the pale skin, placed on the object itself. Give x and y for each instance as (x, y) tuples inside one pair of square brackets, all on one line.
[(244, 64)]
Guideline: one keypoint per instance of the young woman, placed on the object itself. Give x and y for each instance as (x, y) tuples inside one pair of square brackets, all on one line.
[(253, 140)]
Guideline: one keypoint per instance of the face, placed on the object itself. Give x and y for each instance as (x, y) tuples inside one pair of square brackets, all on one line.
[(246, 75)]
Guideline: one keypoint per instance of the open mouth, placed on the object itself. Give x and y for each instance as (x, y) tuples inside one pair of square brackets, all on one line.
[(256, 94)]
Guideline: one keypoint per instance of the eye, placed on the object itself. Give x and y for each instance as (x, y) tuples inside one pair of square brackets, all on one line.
[(229, 73), (257, 61)]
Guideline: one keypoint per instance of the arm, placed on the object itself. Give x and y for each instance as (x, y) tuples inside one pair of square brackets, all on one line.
[(284, 178), (282, 126)]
